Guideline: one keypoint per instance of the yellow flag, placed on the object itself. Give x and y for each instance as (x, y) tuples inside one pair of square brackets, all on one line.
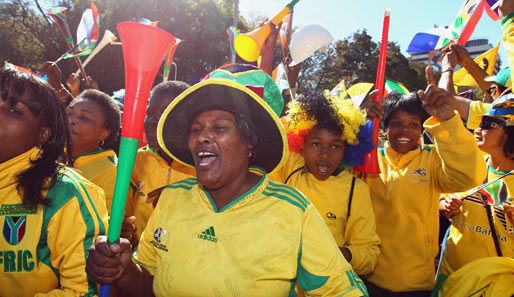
[(486, 61)]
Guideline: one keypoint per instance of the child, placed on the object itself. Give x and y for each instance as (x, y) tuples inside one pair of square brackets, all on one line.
[(326, 135), (153, 168), (405, 194)]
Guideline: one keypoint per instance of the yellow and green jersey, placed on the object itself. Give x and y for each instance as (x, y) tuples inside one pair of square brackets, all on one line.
[(508, 40), (151, 172), (43, 249), (100, 168), (354, 230), (405, 199), (470, 236), (260, 244)]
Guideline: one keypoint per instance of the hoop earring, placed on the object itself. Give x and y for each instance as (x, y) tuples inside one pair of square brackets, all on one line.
[(101, 143)]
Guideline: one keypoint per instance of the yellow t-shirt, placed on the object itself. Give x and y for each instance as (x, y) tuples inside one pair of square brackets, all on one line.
[(151, 172), (470, 235), (43, 249), (331, 197), (405, 199), (258, 245), (100, 168)]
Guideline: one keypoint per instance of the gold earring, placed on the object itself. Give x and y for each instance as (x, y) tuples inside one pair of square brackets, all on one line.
[(39, 152), (101, 142), (250, 154)]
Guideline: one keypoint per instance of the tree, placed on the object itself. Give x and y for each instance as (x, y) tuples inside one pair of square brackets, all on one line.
[(355, 59)]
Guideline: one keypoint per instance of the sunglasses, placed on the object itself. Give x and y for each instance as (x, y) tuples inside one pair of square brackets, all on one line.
[(488, 124)]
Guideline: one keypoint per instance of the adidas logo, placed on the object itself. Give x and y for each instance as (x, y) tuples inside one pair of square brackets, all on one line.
[(208, 234)]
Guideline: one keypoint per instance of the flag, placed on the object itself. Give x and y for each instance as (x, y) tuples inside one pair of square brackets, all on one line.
[(493, 194), (458, 32), (58, 14), (486, 61), (491, 8), (285, 34), (391, 85), (280, 77), (232, 32), (169, 60), (338, 90), (358, 92), (88, 27), (81, 49)]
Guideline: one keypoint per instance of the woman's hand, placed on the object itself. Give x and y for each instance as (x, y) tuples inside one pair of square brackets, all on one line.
[(508, 210), (128, 230), (107, 263), (373, 109), (450, 206), (436, 101)]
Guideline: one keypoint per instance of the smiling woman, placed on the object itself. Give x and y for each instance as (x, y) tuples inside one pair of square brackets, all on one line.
[(95, 122), (232, 229)]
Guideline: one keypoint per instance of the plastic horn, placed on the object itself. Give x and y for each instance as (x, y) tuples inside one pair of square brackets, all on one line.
[(169, 61), (144, 48), (371, 159), (248, 45), (108, 38)]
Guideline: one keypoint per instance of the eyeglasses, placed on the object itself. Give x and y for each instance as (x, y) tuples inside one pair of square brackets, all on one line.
[(491, 89), (487, 124)]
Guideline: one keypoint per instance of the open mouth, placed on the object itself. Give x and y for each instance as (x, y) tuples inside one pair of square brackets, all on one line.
[(206, 158), (403, 140)]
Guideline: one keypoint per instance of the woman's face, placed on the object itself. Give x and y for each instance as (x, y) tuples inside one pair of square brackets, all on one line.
[(490, 135), (87, 126), (403, 131), (219, 153), (323, 151), (20, 129), (154, 110)]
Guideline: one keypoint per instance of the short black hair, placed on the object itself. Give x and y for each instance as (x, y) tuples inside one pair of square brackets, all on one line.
[(171, 88), (410, 103), (112, 115), (317, 107), (45, 105)]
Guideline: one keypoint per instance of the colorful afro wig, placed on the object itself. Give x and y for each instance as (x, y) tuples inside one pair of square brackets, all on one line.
[(335, 114)]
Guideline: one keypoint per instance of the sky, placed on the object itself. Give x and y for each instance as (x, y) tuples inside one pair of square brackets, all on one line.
[(408, 17)]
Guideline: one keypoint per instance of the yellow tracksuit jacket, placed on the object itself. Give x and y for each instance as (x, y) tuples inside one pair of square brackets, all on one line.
[(99, 167), (355, 231), (150, 172), (405, 197), (43, 249)]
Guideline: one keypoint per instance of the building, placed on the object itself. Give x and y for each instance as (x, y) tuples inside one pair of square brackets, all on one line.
[(475, 47)]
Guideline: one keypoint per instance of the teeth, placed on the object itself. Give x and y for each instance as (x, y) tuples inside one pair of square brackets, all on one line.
[(205, 154)]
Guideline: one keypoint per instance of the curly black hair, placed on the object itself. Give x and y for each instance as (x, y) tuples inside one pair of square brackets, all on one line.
[(45, 105), (171, 88), (410, 103), (111, 113)]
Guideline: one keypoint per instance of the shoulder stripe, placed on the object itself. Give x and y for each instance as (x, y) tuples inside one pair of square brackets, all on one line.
[(288, 199), (190, 181), (289, 190), (141, 263), (175, 186)]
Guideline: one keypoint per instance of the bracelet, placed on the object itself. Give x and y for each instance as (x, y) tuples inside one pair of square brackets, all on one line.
[(448, 69)]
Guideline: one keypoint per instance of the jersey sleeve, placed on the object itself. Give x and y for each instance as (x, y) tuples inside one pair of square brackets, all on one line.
[(322, 269), (508, 39), (71, 231), (292, 162), (360, 232), (476, 108), (146, 254), (458, 165)]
